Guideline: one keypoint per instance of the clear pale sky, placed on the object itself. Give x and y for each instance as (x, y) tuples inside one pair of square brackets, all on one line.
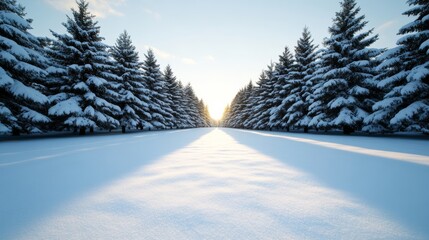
[(217, 45)]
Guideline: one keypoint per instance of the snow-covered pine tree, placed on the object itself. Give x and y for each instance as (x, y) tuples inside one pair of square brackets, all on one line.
[(174, 97), (255, 101), (241, 107), (89, 82), (233, 111), (246, 112), (405, 78), (23, 104), (133, 100), (160, 110), (191, 106), (264, 101), (182, 101), (300, 83), (343, 98), (282, 88), (225, 116), (204, 114)]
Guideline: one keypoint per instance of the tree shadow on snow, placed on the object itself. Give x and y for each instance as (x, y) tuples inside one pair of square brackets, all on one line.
[(399, 189), (43, 175)]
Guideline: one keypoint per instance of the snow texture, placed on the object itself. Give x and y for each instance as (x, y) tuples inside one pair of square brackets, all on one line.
[(20, 90), (4, 78), (214, 184)]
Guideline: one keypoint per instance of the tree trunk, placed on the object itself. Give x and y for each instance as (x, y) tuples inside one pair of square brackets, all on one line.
[(15, 132), (306, 129), (82, 131), (91, 129), (347, 130), (287, 129), (123, 129)]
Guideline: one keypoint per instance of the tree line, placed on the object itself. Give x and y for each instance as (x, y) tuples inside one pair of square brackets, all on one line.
[(346, 85), (75, 82)]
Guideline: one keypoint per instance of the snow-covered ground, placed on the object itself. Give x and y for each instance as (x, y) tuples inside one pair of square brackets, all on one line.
[(215, 184)]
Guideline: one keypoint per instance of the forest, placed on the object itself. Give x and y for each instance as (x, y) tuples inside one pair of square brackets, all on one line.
[(345, 85), (75, 82)]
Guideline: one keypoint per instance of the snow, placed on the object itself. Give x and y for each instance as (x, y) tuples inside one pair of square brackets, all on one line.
[(34, 116), (66, 107), (409, 112), (359, 91), (4, 78), (4, 128), (81, 86), (412, 88), (344, 117), (96, 81), (424, 45), (418, 73), (20, 90), (80, 122), (214, 184), (341, 102), (29, 69), (8, 58), (13, 19)]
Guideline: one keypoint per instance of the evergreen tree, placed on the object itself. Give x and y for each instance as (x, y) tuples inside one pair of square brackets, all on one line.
[(404, 75), (264, 99), (255, 100), (240, 108), (343, 98), (282, 88), (300, 84), (225, 116), (183, 105), (174, 96), (161, 111), (133, 100), (191, 106), (23, 104), (204, 114), (88, 81)]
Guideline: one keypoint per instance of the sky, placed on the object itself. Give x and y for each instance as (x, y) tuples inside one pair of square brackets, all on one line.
[(217, 45)]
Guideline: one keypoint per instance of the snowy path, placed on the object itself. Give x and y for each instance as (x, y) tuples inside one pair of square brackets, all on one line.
[(214, 184)]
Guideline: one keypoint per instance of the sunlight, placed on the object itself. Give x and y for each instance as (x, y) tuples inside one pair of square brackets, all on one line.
[(414, 158), (216, 111)]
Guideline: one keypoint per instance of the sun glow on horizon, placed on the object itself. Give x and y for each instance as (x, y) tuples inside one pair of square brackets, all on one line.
[(216, 111)]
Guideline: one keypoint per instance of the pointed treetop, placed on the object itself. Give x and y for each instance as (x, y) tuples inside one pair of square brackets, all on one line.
[(150, 58), (285, 62), (124, 51), (82, 26)]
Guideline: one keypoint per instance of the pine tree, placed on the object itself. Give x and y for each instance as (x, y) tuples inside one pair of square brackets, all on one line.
[(264, 99), (161, 113), (282, 88), (23, 104), (133, 100), (255, 102), (183, 105), (233, 111), (405, 78), (191, 106), (203, 114), (343, 97), (174, 97), (300, 90), (241, 107), (89, 82)]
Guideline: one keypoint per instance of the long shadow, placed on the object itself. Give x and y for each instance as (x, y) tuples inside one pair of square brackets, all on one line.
[(399, 189), (36, 184)]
